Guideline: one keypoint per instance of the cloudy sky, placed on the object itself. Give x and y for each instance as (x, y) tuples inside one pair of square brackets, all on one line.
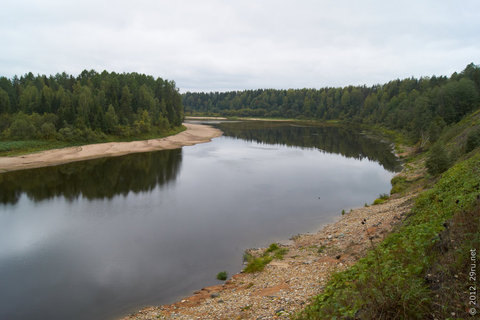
[(229, 45)]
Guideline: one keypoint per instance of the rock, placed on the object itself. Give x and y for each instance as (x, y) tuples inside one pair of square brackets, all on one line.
[(215, 295), (280, 310)]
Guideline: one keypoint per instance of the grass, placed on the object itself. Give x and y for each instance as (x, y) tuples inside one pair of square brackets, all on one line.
[(21, 147), (390, 283), (381, 199), (257, 264)]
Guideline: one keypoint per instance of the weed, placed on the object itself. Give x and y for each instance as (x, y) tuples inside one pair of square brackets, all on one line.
[(256, 264), (381, 198), (272, 247), (399, 184)]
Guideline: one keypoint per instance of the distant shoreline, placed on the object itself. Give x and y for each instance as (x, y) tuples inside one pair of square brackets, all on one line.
[(194, 134)]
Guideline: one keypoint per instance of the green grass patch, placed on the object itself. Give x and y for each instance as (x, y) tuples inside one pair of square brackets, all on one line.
[(389, 283), (381, 199), (257, 264)]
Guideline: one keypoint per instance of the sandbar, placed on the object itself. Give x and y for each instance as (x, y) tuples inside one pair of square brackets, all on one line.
[(195, 133)]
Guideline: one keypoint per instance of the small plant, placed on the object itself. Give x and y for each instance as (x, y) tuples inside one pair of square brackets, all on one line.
[(381, 198), (366, 205), (280, 253), (256, 264), (321, 249), (222, 275), (343, 212), (272, 247)]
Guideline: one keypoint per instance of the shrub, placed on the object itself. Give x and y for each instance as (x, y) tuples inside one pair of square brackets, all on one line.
[(473, 140), (21, 128), (399, 184), (222, 275), (438, 160), (47, 130)]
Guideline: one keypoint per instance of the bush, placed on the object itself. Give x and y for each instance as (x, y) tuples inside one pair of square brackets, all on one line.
[(438, 160), (21, 128), (399, 184), (47, 130), (473, 140), (222, 275)]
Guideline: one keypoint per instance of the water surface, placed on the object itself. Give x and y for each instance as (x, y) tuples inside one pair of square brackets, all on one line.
[(101, 238)]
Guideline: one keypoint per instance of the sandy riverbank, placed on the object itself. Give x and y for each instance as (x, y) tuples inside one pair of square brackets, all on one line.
[(194, 134)]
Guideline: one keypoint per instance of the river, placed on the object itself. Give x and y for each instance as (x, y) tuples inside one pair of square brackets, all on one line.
[(99, 239)]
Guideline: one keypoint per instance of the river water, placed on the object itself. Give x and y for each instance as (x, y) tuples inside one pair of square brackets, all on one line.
[(99, 239)]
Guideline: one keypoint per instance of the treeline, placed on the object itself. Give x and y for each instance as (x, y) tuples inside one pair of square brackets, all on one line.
[(421, 107), (87, 107)]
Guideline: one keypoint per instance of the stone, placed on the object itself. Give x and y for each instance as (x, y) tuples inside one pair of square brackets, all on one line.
[(280, 310)]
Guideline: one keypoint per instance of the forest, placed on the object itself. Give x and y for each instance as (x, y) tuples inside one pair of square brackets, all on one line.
[(86, 108), (417, 107)]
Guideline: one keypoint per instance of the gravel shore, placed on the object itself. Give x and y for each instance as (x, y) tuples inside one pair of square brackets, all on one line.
[(285, 286)]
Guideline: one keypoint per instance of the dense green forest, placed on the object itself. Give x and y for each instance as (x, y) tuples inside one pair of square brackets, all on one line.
[(87, 107), (419, 107)]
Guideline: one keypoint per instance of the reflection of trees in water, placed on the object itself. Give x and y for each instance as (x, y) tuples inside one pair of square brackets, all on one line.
[(332, 139), (93, 179)]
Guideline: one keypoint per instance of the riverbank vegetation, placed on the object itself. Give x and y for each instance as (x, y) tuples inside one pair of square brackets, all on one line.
[(40, 112)]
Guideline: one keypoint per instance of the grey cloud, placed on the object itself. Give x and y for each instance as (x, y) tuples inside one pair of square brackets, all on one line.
[(223, 45)]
